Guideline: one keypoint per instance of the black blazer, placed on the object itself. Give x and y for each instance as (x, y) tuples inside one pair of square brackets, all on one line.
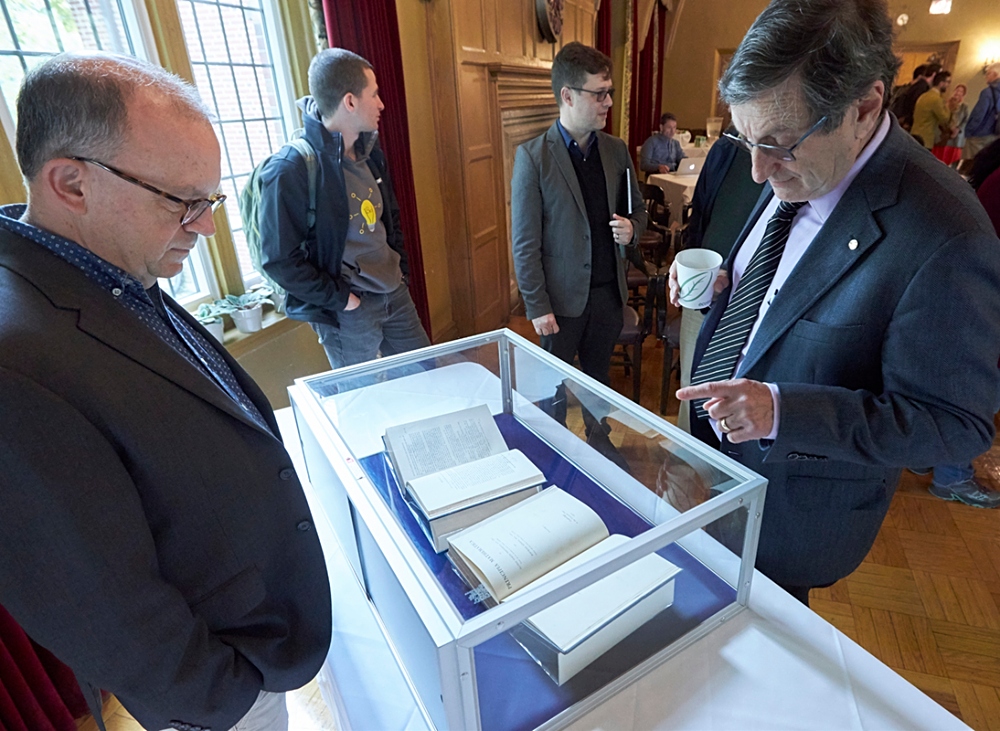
[(885, 355), (152, 536)]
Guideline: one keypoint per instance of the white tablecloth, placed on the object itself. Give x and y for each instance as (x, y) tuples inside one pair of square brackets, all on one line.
[(678, 190), (776, 665)]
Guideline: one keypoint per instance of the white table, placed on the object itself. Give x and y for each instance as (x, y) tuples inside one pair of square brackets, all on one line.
[(774, 665), (692, 151), (678, 190)]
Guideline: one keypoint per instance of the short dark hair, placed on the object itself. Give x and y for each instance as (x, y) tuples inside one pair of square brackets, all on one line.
[(919, 71), (76, 105), (931, 69), (666, 117), (941, 76), (838, 48), (573, 63), (333, 74)]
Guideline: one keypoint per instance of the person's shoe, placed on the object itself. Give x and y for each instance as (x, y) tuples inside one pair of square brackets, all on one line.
[(921, 470), (969, 492)]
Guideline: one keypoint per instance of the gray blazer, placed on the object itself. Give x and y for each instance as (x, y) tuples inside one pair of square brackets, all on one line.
[(885, 355), (550, 233), (151, 535)]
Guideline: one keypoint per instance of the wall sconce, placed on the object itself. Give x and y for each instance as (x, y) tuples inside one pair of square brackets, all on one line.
[(991, 54), (940, 7)]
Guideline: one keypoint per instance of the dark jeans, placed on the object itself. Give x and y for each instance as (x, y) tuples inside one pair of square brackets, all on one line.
[(384, 324)]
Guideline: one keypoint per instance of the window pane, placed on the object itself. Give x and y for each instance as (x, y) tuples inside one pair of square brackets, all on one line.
[(32, 31), (235, 72)]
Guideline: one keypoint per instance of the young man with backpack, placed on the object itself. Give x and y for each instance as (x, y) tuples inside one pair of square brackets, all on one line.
[(329, 230)]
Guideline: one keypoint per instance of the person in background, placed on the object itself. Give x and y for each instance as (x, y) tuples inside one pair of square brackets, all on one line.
[(345, 276), (861, 330), (662, 152), (723, 199), (904, 99), (570, 227), (958, 481), (154, 534), (931, 113), (982, 128), (950, 151)]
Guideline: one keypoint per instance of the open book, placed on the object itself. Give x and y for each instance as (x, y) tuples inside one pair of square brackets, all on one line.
[(456, 470), (541, 538)]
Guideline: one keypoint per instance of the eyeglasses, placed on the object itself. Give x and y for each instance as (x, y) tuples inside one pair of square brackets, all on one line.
[(774, 151), (600, 94), (194, 208)]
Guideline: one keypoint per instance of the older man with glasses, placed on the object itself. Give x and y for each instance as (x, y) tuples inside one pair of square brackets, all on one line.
[(153, 532), (860, 331)]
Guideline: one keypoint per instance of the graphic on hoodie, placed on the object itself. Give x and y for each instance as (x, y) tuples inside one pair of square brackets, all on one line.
[(368, 211)]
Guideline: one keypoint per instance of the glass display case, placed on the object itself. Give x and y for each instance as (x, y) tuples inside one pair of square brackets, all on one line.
[(668, 502)]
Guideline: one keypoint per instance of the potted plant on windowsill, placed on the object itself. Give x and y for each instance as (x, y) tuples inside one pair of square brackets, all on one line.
[(211, 317), (245, 309)]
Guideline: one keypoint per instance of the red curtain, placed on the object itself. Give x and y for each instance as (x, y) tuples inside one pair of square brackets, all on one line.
[(604, 40), (647, 75), (370, 28), (37, 692)]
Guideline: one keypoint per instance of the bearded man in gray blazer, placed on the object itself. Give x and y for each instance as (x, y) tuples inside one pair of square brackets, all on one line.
[(861, 333), (575, 209), (153, 533)]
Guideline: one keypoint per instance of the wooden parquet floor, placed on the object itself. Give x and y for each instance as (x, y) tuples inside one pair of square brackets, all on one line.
[(926, 600)]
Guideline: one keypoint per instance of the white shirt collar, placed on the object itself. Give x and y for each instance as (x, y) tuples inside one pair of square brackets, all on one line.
[(824, 205)]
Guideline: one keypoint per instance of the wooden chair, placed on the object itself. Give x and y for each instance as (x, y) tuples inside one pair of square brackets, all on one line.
[(668, 330), (634, 331), (656, 205)]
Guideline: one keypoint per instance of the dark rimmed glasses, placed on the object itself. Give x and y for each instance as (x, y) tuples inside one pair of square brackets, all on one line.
[(600, 94), (194, 209), (774, 151)]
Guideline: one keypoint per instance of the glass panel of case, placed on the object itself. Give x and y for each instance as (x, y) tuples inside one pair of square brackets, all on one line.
[(634, 472)]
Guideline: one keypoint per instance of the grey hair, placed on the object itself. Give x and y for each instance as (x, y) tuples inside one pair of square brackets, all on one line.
[(76, 105), (838, 48)]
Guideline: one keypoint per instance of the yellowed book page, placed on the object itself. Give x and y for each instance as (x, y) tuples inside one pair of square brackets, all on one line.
[(431, 445), (526, 541)]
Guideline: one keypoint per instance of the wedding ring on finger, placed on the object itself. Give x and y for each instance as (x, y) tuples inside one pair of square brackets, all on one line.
[(723, 426)]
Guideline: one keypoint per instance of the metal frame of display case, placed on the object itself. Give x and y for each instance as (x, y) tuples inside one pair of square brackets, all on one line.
[(409, 597)]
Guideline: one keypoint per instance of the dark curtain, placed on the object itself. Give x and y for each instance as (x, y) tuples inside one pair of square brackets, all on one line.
[(661, 18), (370, 29), (604, 39), (644, 117), (37, 692)]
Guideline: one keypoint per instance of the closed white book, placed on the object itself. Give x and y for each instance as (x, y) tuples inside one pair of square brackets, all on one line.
[(468, 484), (439, 529), (456, 470)]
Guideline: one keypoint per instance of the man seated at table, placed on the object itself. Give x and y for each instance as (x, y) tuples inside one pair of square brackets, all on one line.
[(661, 153)]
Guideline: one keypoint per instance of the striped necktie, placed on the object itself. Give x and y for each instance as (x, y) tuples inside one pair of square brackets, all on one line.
[(723, 351)]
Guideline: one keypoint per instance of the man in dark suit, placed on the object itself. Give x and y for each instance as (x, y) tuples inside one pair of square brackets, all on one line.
[(861, 332), (569, 213), (153, 532)]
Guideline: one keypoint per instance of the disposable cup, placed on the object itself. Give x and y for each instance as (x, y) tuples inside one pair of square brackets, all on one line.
[(696, 273)]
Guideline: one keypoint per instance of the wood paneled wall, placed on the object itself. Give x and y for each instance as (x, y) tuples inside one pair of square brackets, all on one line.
[(475, 47)]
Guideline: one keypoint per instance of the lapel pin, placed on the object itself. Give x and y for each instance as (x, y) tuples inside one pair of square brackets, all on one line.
[(852, 244)]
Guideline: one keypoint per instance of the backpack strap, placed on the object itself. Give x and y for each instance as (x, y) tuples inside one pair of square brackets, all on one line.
[(308, 153)]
